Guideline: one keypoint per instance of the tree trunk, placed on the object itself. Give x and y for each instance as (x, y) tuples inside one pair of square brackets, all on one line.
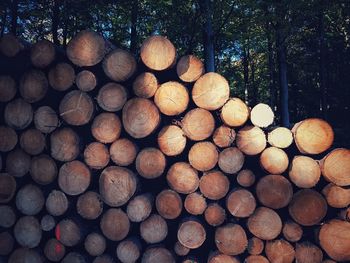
[(14, 16), (272, 81), (208, 38), (246, 73), (55, 21), (322, 65), (3, 22), (133, 34)]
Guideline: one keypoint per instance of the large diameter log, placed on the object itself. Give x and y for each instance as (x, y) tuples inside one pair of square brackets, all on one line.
[(158, 53), (86, 80), (119, 65), (123, 152), (231, 160), (217, 257), (235, 112), (279, 251), (43, 169), (64, 144), (195, 203), (198, 124), (27, 232), (334, 238), (265, 223), (95, 244), (8, 187), (8, 138), (214, 215), (214, 185), (7, 88), (33, 85), (231, 239), (30, 200), (251, 140), (32, 141), (240, 203), (169, 204), (8, 216), (45, 119), (307, 252), (140, 117), (112, 97), (10, 46), (87, 48), (189, 68), (335, 167), (304, 171), (150, 163), (6, 243), (292, 231), (22, 254), (61, 76), (262, 115), (157, 254), (145, 85), (139, 208), (68, 233), (42, 53), (89, 205), (171, 140), (18, 163), (106, 127), (191, 234), (246, 178), (255, 246), (336, 196), (96, 155), (115, 224), (197, 153), (128, 251), (56, 203), (182, 178), (54, 250), (154, 229), (256, 259), (224, 136), (308, 207), (117, 185), (280, 137), (313, 136), (18, 114), (274, 160)]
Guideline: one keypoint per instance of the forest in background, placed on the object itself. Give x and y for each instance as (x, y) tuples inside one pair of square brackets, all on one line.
[(292, 55)]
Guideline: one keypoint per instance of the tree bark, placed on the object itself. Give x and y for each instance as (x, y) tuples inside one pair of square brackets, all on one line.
[(133, 35), (55, 21), (14, 16), (208, 38)]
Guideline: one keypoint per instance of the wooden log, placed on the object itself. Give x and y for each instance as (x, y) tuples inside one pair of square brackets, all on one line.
[(189, 68), (61, 76), (22, 254), (8, 140), (7, 187), (117, 185), (119, 65), (190, 259), (231, 239), (86, 80), (87, 48), (234, 113), (8, 88), (76, 108), (279, 251), (30, 200), (6, 243), (274, 160), (274, 191), (42, 53), (197, 153), (198, 124), (139, 208), (43, 169), (292, 231), (307, 252), (169, 204), (280, 137), (45, 119), (262, 115), (145, 85), (180, 249), (214, 185), (140, 117), (171, 140), (251, 140), (106, 127), (313, 136), (240, 203), (171, 98), (33, 85), (217, 257), (128, 251), (89, 205), (10, 46), (95, 244), (214, 214), (54, 250), (123, 152), (265, 223), (195, 203), (255, 246), (231, 160), (336, 174), (8, 216), (304, 171), (64, 145), (56, 203), (18, 163), (182, 178), (191, 234), (210, 91), (47, 223), (344, 214), (18, 114), (112, 97), (68, 233), (32, 141), (150, 163), (73, 257), (158, 53), (308, 207), (157, 254), (224, 136), (154, 229), (246, 178), (336, 196), (27, 232), (115, 224), (105, 258), (96, 155)]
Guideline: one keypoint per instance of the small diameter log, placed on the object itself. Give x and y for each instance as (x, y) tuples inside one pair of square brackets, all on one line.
[(18, 163), (195, 203), (56, 203), (18, 114), (112, 97), (47, 223), (180, 249), (198, 124), (280, 137), (7, 88), (262, 115), (191, 234), (74, 177), (8, 138), (95, 244), (304, 171), (43, 169), (189, 68), (32, 141), (172, 98), (158, 53), (336, 196), (25, 255), (231, 239), (8, 216), (76, 108), (265, 223), (182, 178), (210, 91), (203, 156), (307, 252), (154, 229), (117, 185), (68, 233), (157, 254), (214, 185), (190, 259), (145, 85), (27, 232), (33, 85), (54, 250), (105, 258), (139, 208), (292, 231), (224, 136), (217, 257), (337, 174), (246, 178), (255, 246), (30, 200), (214, 215), (123, 152), (6, 243), (115, 224), (274, 191), (10, 46), (140, 117), (251, 140), (106, 127), (128, 251), (334, 238), (171, 140), (119, 65), (42, 53), (344, 214), (96, 155), (169, 204), (73, 257), (86, 80), (7, 187), (274, 160), (308, 207), (279, 251), (313, 136), (231, 160), (45, 119), (89, 205), (240, 203), (61, 76), (64, 144), (87, 48), (235, 112), (150, 163)]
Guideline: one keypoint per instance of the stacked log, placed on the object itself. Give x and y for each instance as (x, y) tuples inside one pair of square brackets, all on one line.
[(105, 157)]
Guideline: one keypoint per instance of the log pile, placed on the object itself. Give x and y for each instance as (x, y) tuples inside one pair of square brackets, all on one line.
[(105, 158)]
